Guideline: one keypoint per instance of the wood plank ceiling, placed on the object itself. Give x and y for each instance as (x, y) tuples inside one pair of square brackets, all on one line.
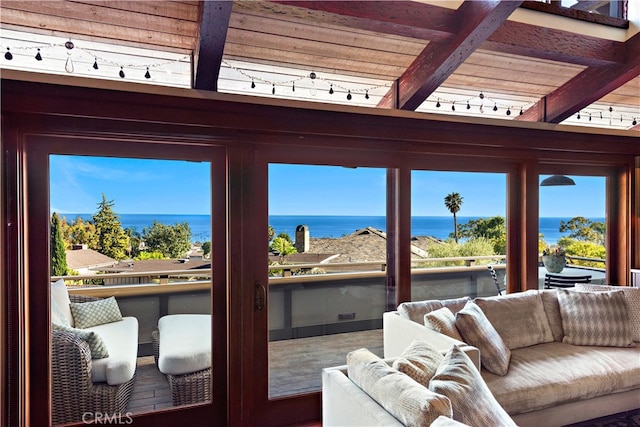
[(412, 55)]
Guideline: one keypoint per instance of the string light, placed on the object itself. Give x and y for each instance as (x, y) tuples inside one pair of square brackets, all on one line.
[(313, 76), (69, 66), (70, 46)]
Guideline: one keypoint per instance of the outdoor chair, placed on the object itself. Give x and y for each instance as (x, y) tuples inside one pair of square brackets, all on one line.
[(494, 276), (559, 281)]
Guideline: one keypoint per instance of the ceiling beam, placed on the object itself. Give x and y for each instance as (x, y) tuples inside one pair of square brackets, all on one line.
[(586, 88), (207, 57), (476, 21), (437, 24)]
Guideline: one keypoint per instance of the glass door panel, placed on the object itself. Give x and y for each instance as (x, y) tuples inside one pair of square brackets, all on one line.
[(458, 229), (138, 230), (327, 257)]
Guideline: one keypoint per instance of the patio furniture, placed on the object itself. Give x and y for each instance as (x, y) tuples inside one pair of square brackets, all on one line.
[(560, 281), (182, 350), (77, 384), (494, 276)]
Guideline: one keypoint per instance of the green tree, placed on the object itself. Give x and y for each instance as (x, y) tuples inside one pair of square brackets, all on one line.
[(493, 229), (57, 250), (206, 249), (173, 241), (272, 232), (585, 230), (450, 249), (453, 202), (282, 246), (111, 239), (83, 232), (135, 239)]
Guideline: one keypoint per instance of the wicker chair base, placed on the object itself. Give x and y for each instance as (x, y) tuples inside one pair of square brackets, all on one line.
[(190, 388), (186, 389)]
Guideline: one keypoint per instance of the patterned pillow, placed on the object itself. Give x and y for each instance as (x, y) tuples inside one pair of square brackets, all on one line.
[(444, 321), (532, 326), (96, 345), (631, 296), (472, 401), (595, 318), (477, 331), (402, 397), (88, 314), (420, 361)]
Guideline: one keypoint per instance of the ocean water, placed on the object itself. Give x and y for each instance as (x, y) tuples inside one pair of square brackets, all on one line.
[(323, 226)]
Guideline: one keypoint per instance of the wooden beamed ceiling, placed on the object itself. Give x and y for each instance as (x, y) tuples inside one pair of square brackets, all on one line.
[(422, 48)]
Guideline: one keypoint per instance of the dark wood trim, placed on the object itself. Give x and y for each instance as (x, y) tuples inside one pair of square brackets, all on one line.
[(214, 22)]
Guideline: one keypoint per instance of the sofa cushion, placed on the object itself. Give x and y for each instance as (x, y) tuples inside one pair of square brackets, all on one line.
[(122, 340), (552, 310), (444, 321), (472, 401), (97, 346), (60, 295), (415, 310), (550, 374), (595, 318), (92, 313), (531, 327), (632, 297), (420, 361), (477, 331), (405, 399)]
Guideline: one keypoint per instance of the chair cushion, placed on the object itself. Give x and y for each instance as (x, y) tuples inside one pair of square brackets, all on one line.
[(420, 361), (477, 331), (97, 346), (185, 343), (444, 321), (532, 326), (595, 318), (401, 396), (122, 340), (92, 313), (472, 401), (631, 296), (60, 295)]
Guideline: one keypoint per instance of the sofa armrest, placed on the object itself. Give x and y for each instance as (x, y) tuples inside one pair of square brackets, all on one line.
[(399, 333), (345, 404)]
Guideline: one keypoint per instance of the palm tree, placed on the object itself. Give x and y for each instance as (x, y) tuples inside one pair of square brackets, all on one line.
[(453, 201)]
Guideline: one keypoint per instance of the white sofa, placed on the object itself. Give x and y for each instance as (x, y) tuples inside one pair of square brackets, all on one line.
[(550, 383)]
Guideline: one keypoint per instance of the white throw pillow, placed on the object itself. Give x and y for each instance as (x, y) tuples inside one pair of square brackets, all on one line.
[(477, 331), (60, 295), (401, 396), (444, 321), (595, 318), (420, 361), (472, 401)]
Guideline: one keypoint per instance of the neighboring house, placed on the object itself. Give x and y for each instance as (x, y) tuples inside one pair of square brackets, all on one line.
[(87, 261)]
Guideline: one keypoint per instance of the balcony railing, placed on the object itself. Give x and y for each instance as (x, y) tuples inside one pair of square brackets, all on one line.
[(348, 297)]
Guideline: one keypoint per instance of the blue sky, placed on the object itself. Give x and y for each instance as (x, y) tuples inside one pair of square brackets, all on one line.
[(180, 187)]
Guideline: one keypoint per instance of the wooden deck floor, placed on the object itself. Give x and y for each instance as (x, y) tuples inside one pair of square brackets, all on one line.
[(295, 366)]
